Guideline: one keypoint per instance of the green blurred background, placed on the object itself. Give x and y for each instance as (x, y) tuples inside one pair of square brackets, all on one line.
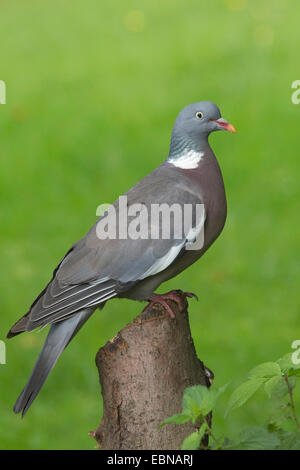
[(93, 89)]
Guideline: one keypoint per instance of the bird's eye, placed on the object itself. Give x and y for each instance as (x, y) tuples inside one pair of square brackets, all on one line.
[(199, 115)]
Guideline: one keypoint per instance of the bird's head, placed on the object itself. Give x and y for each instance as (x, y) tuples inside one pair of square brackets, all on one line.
[(196, 121)]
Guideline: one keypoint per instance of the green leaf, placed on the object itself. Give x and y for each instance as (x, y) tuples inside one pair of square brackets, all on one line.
[(210, 399), (208, 403), (286, 363), (176, 419), (257, 438), (223, 443), (196, 400), (192, 442), (270, 385), (293, 373), (196, 393), (200, 400), (289, 441), (203, 428), (243, 393), (281, 414), (266, 370), (191, 408), (281, 388)]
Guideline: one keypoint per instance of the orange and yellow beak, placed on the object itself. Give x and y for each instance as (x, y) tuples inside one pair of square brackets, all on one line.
[(225, 125)]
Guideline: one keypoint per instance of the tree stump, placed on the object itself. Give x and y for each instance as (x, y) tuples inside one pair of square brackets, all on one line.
[(143, 372)]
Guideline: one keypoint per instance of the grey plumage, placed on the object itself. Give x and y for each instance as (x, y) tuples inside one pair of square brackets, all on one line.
[(59, 336), (94, 270)]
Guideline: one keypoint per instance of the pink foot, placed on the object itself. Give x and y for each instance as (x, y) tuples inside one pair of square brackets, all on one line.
[(174, 295)]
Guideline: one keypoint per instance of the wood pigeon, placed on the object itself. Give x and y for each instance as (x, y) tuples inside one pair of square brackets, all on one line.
[(97, 269)]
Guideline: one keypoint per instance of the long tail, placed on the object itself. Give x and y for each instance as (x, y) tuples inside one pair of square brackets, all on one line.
[(58, 338)]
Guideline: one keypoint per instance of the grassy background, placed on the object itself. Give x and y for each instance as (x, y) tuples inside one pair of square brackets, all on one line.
[(93, 89)]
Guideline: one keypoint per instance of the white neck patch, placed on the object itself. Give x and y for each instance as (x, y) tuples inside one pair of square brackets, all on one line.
[(188, 160)]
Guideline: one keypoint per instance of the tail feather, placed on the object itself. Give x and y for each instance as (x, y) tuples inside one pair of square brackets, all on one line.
[(19, 327), (58, 338)]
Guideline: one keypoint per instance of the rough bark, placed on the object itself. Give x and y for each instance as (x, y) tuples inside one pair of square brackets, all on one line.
[(143, 372)]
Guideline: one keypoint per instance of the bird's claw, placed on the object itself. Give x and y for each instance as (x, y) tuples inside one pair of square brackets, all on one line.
[(191, 294), (174, 295)]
